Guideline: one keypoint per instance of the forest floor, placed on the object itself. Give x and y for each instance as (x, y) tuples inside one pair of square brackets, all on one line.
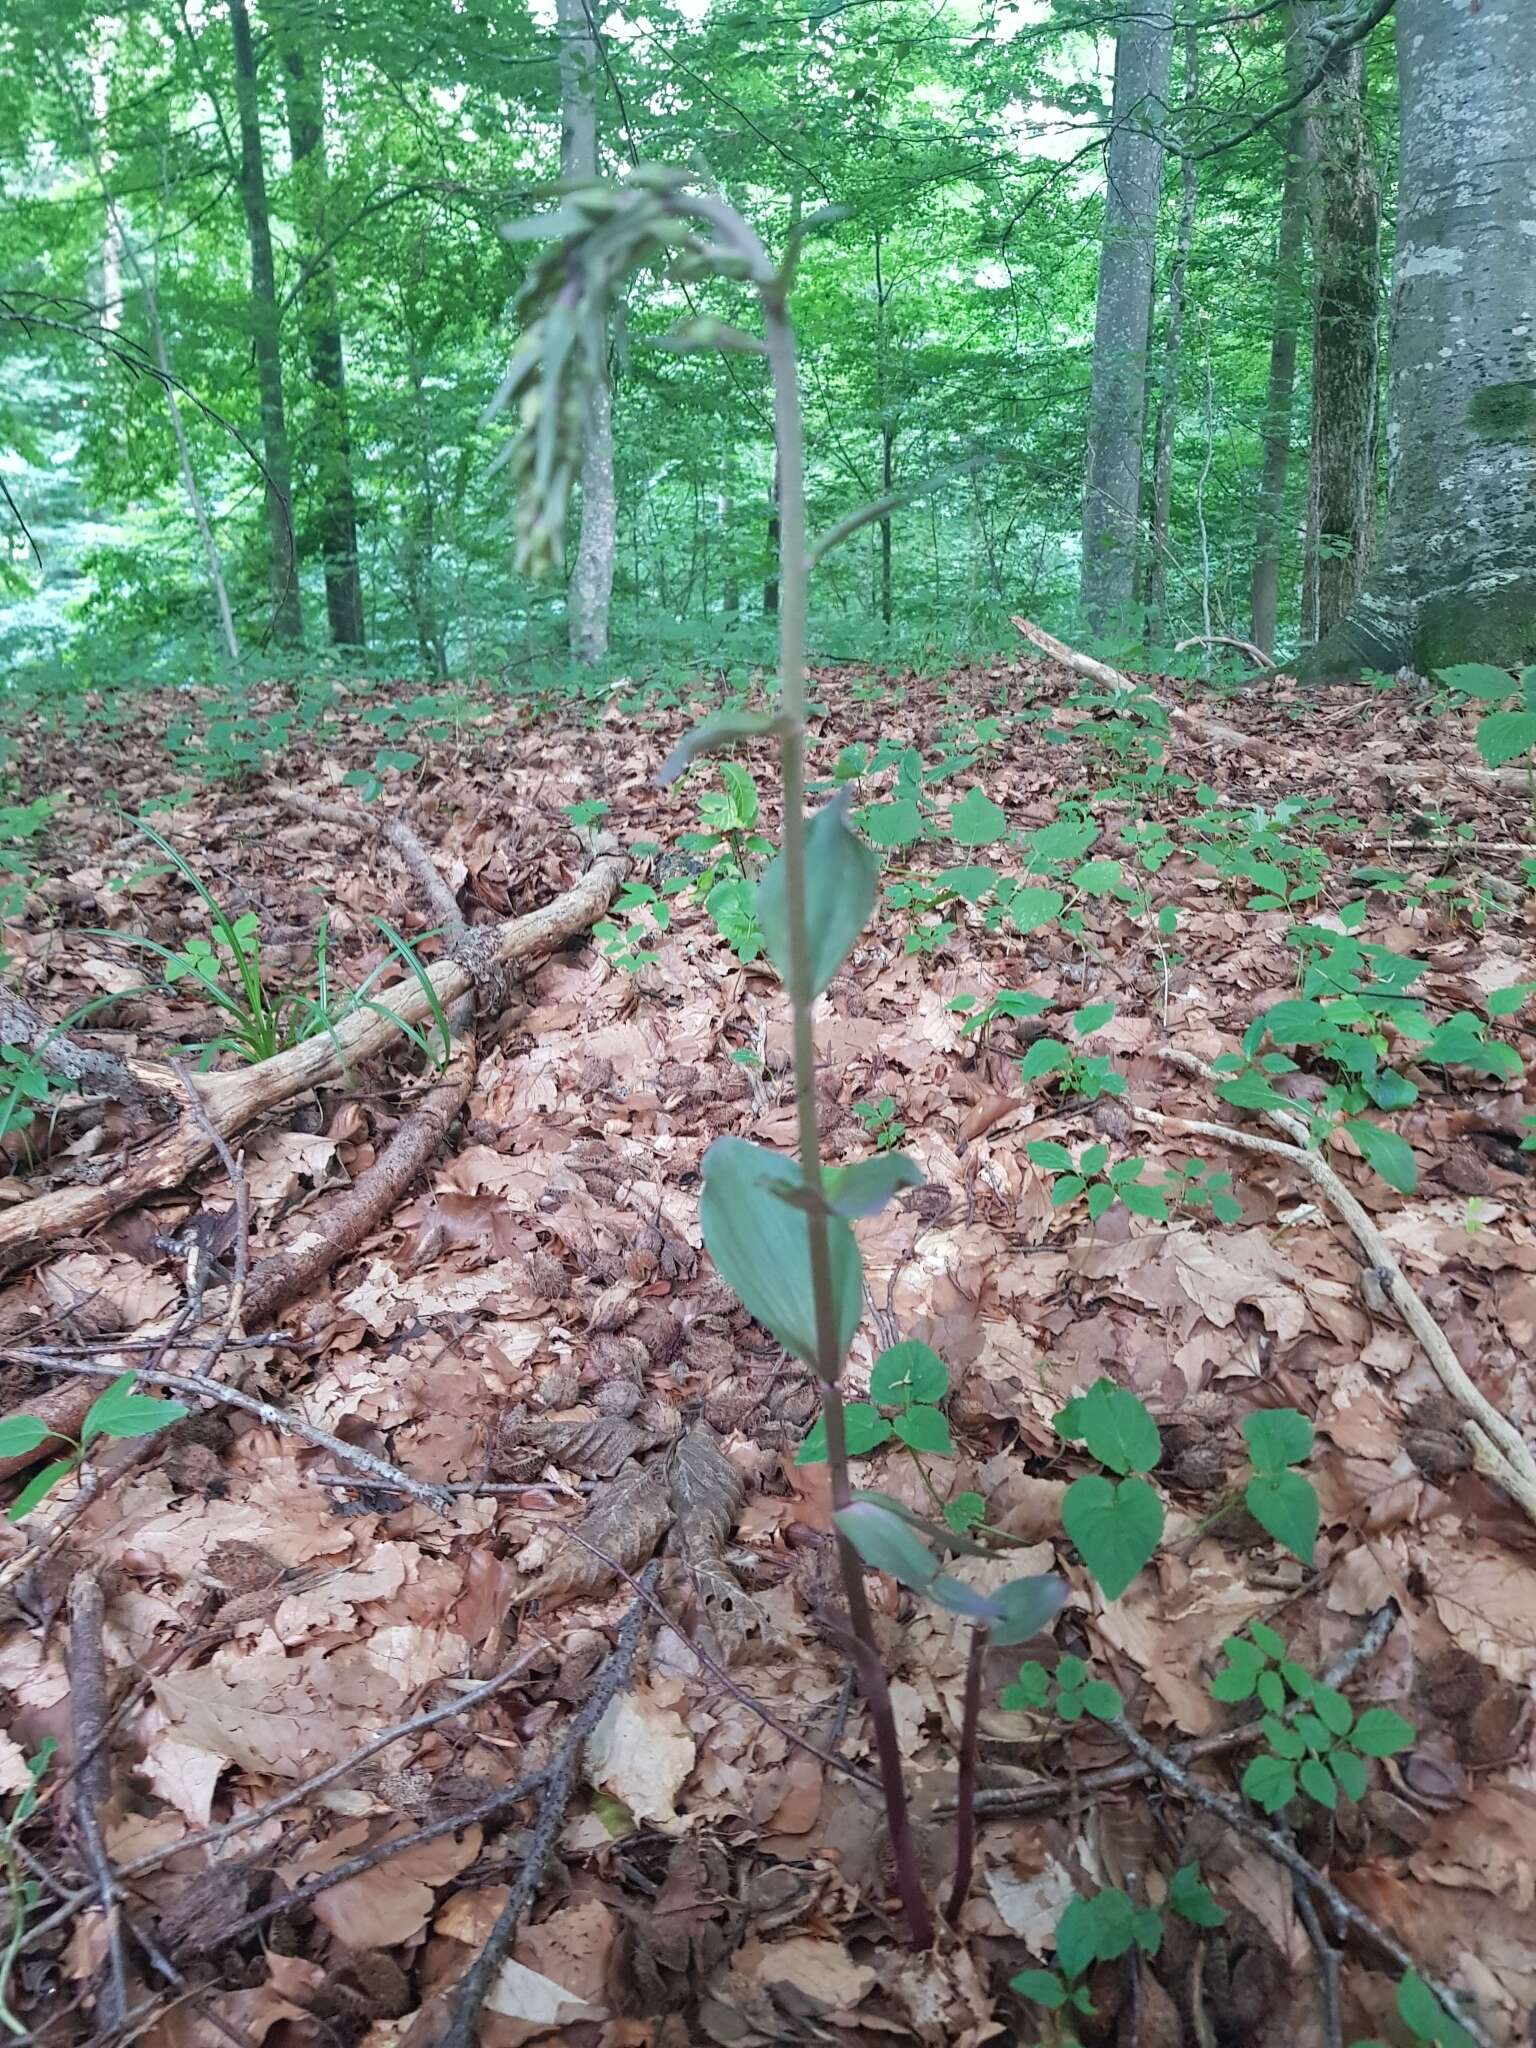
[(535, 1324)]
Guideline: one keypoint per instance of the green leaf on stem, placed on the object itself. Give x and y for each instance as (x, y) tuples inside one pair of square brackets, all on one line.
[(1190, 1898), (1389, 1154), (725, 729), (1114, 1425), (1285, 1504), (22, 1433), (924, 1429), (1380, 1732), (1418, 2008), (908, 1372), (38, 1487), (1277, 1437), (1023, 1607), (1116, 1528), (841, 876), (759, 1245), (976, 820), (864, 1429), (888, 1544), (1270, 1782), (864, 1188), (119, 1412)]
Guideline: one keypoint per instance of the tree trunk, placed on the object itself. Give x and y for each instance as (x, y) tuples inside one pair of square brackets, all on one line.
[(1127, 272), (1455, 578), (287, 622), (420, 546), (771, 574), (887, 431), (1168, 393), (320, 315), (1346, 233), (1269, 522), (589, 590)]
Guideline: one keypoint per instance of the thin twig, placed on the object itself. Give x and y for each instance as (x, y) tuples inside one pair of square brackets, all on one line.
[(463, 2026), (1242, 1822), (1499, 1451), (1327, 1965), (965, 1791), (87, 1716), (378, 1470)]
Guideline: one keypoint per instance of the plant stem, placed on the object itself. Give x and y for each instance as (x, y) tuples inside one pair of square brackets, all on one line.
[(965, 1790), (792, 601)]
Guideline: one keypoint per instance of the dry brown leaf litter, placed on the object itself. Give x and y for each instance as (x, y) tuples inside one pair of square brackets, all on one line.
[(539, 1316)]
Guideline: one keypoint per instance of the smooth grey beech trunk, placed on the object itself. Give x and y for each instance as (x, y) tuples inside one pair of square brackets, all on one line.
[(589, 588), (1346, 310), (1269, 540), (1455, 576), (1127, 271)]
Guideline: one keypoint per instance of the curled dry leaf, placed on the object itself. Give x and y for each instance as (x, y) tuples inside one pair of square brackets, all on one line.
[(598, 1448), (707, 1496), (624, 1524)]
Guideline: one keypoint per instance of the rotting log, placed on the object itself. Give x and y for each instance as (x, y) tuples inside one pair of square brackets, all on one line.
[(233, 1100)]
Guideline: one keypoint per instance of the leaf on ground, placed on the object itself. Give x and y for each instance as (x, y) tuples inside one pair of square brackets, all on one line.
[(625, 1523), (707, 1498), (642, 1753)]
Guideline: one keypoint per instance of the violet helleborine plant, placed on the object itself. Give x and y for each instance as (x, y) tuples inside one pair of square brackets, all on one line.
[(778, 1229)]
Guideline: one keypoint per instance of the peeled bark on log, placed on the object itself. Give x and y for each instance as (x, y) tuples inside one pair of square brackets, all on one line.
[(235, 1099), (99, 1072)]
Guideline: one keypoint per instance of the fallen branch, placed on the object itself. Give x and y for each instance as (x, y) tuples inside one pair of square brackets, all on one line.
[(1242, 1822), (235, 1099), (378, 1470), (87, 1718), (1499, 1451), (1206, 730), (137, 1085), (1255, 654), (463, 2027), (289, 1275)]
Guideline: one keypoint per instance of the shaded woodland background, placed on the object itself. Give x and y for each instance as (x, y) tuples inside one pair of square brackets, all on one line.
[(288, 220)]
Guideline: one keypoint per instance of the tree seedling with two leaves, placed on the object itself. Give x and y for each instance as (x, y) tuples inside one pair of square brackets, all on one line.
[(115, 1413), (1315, 1743), (1116, 1524), (1071, 1071), (909, 1379), (1102, 1928), (1280, 1500), (1091, 1175)]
